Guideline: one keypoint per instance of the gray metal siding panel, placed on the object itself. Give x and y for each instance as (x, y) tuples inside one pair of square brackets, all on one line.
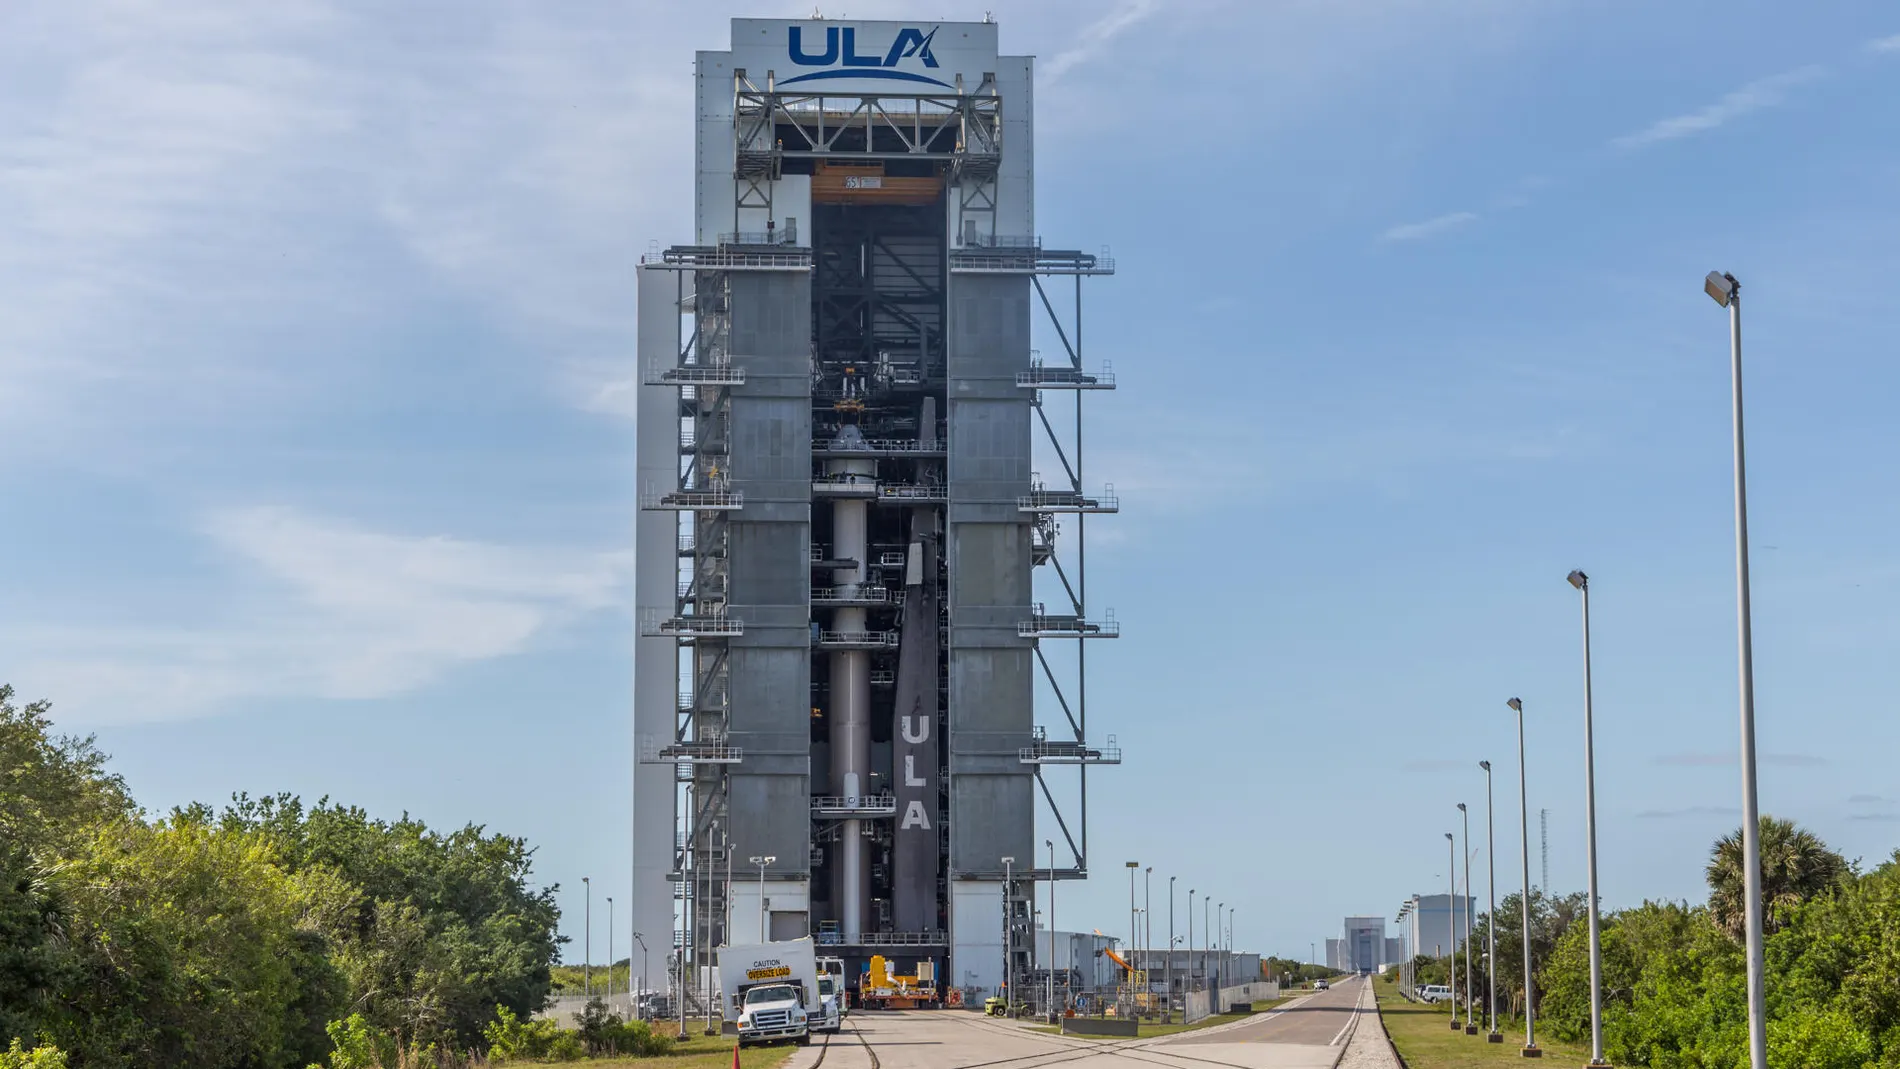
[(769, 569), (991, 682)]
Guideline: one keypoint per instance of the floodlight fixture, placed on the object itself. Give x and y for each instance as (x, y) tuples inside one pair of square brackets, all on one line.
[(1578, 579), (1722, 286)]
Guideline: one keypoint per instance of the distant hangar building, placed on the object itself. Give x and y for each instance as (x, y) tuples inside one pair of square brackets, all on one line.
[(841, 533)]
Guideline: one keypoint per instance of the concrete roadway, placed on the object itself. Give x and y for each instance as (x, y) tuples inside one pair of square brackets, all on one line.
[(1300, 1035)]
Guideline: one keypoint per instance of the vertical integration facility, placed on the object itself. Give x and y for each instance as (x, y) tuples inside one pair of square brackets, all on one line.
[(842, 535), (1437, 923)]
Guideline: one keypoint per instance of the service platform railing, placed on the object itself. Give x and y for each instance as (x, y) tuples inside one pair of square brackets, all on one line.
[(868, 805)]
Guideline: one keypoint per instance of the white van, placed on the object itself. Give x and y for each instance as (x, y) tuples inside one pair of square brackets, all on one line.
[(1435, 993)]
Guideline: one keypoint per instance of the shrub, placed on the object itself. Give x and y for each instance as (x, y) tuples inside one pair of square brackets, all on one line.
[(360, 1045), (512, 1039), (602, 1032), (18, 1057)]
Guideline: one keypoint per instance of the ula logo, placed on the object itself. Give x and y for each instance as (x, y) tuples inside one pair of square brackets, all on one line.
[(841, 46)]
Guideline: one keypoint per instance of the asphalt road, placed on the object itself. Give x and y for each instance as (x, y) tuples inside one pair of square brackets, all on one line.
[(1315, 1021), (1299, 1036)]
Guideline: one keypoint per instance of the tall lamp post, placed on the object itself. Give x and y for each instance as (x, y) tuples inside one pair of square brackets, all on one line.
[(1728, 293), (1451, 926), (1168, 1014), (762, 860), (1491, 876), (1531, 1050), (1147, 930), (1134, 926), (1009, 934), (610, 950), (1220, 962), (1190, 940), (1471, 1022), (1582, 583), (1207, 948), (642, 940), (1050, 843), (587, 938)]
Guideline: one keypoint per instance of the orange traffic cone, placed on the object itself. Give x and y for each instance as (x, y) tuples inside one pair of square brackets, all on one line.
[(735, 1056)]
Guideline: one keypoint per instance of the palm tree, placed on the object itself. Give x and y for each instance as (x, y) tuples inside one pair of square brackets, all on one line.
[(1795, 867)]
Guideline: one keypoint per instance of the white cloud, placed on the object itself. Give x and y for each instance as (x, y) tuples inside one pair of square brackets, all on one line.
[(1755, 96), (1430, 227), (1094, 37), (1885, 44), (326, 609)]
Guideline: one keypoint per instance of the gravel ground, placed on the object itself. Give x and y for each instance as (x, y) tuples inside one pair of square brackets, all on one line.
[(1369, 1048)]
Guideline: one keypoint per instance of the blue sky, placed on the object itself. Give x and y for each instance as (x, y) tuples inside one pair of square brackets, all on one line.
[(316, 451)]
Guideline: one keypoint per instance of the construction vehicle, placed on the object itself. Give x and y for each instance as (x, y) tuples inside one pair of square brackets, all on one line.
[(883, 990)]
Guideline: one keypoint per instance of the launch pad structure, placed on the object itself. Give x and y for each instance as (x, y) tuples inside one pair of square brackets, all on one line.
[(841, 643)]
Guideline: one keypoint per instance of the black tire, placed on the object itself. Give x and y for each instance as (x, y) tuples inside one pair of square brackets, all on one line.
[(804, 1040)]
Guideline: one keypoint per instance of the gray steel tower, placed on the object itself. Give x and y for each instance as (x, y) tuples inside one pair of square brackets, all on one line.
[(840, 529)]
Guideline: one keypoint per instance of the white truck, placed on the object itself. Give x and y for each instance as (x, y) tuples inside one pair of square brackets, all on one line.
[(831, 995), (771, 992)]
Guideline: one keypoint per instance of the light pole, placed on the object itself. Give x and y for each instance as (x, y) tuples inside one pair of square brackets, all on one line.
[(1168, 1014), (1471, 1024), (642, 940), (1207, 948), (762, 861), (587, 939), (1220, 963), (1009, 934), (1134, 925), (1050, 843), (610, 950), (1190, 943), (1531, 1049), (1147, 930), (1728, 293), (1491, 929), (1582, 583), (1451, 924)]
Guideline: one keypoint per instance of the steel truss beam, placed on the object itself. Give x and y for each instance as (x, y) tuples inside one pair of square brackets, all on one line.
[(1069, 452)]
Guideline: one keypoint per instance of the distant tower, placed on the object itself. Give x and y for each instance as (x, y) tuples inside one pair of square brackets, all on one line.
[(1543, 842)]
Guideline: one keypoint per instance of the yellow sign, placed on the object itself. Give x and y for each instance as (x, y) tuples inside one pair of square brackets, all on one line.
[(775, 972)]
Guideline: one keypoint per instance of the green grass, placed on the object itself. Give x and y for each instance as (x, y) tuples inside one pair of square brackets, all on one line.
[(1423, 1035), (707, 1052)]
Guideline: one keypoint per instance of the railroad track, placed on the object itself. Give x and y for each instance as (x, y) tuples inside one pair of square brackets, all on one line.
[(1135, 1050), (1074, 1050), (825, 1049)]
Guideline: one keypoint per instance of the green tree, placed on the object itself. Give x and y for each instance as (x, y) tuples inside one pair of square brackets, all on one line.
[(432, 930), (53, 791), (17, 1056), (1795, 867), (1551, 917), (189, 953)]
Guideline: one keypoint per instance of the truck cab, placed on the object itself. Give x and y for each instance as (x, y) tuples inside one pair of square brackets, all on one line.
[(830, 1016), (773, 1011)]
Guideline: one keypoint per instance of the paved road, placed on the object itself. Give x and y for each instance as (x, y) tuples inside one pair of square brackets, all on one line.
[(1301, 1036), (1313, 1021)]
